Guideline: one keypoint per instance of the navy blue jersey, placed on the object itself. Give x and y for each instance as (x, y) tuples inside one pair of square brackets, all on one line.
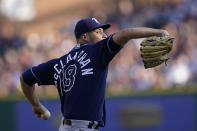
[(80, 77)]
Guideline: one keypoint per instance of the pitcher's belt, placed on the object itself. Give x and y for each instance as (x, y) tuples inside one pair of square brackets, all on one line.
[(88, 124)]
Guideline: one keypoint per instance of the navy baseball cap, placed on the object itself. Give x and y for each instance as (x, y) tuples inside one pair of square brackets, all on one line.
[(88, 24)]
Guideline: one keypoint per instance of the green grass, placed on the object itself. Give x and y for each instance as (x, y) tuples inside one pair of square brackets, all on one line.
[(175, 90)]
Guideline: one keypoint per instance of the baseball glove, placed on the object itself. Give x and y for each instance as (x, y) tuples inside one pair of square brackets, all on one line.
[(154, 50)]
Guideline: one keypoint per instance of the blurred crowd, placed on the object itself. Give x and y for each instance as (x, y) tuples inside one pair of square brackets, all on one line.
[(126, 72)]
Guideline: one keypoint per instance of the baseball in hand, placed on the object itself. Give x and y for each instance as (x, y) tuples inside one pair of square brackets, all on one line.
[(46, 115)]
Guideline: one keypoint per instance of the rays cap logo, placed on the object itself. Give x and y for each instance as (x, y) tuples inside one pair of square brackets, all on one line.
[(95, 20), (88, 24)]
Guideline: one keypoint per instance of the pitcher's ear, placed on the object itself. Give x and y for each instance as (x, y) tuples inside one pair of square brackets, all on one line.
[(84, 36)]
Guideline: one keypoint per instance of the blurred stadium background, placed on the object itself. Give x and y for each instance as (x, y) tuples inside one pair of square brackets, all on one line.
[(159, 99)]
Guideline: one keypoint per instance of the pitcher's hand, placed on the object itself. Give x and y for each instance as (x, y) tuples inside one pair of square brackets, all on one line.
[(41, 112)]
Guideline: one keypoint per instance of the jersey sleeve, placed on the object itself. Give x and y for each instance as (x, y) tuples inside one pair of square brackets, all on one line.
[(107, 49), (41, 74)]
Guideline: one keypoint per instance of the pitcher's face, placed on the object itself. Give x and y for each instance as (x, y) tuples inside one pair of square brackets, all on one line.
[(96, 35)]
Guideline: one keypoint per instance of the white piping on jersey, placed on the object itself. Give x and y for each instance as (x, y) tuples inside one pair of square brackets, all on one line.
[(108, 45), (35, 75), (79, 45)]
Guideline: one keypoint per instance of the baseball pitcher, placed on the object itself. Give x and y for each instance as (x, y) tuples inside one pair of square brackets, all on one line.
[(80, 76)]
